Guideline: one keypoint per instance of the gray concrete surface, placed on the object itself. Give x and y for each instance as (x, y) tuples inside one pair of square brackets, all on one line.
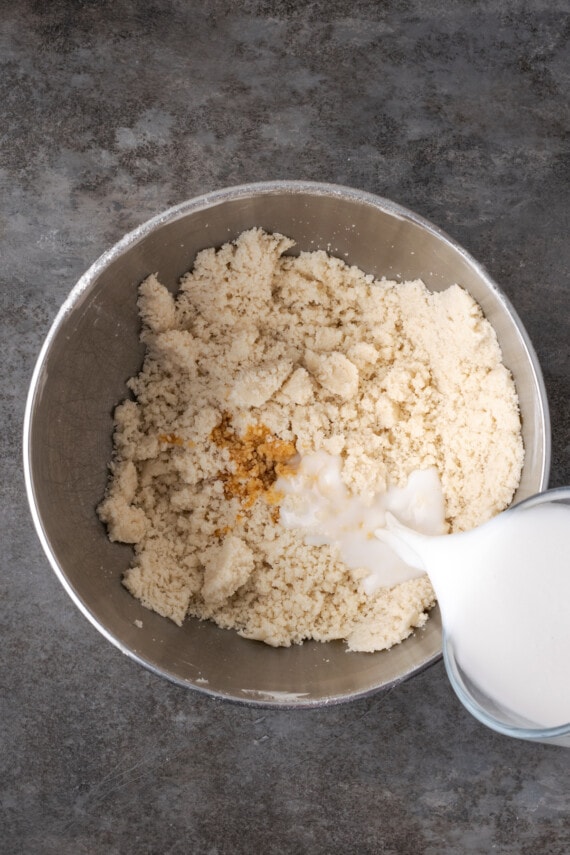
[(110, 112)]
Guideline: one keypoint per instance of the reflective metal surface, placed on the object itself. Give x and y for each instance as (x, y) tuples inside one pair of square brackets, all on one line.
[(93, 348)]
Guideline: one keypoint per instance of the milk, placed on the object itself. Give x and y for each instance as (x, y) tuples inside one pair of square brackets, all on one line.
[(316, 501), (503, 588), (504, 593)]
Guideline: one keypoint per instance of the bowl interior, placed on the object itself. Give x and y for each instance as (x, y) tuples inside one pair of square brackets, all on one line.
[(93, 349)]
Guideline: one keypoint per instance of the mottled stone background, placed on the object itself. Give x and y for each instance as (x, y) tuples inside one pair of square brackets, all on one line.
[(112, 111)]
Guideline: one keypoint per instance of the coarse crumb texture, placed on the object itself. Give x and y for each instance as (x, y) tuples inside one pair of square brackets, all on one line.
[(262, 356)]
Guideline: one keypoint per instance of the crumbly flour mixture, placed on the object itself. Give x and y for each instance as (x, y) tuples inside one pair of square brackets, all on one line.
[(259, 358)]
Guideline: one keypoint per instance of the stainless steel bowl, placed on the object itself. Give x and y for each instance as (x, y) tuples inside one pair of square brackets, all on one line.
[(91, 350)]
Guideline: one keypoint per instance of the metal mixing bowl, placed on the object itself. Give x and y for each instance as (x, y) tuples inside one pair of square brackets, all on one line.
[(93, 348)]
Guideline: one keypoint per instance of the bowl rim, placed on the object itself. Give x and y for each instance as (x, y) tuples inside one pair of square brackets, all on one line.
[(203, 202)]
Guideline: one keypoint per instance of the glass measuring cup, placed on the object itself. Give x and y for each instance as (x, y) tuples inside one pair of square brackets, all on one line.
[(480, 705)]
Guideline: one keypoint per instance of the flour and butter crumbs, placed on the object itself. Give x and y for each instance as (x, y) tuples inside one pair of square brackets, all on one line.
[(260, 359)]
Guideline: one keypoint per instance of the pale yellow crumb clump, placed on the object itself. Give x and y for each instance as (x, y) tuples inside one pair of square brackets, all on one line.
[(261, 357)]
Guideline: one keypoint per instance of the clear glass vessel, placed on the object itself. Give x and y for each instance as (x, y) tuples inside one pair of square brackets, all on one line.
[(480, 705)]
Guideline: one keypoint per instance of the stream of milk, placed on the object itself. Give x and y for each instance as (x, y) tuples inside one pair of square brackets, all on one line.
[(504, 594), (317, 501), (503, 588)]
